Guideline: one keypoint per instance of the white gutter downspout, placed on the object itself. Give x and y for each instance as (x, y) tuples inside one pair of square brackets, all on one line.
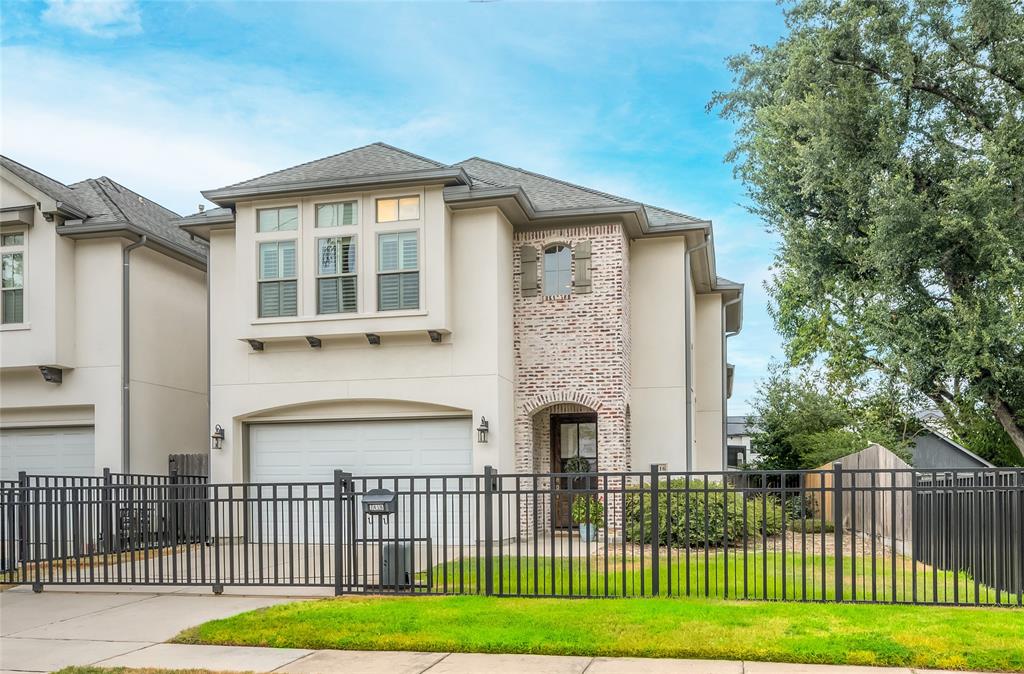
[(725, 382), (688, 338), (126, 453)]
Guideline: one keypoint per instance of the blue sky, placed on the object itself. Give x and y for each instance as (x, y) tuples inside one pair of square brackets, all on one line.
[(170, 98)]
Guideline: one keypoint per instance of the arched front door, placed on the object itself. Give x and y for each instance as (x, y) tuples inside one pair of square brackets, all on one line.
[(573, 451)]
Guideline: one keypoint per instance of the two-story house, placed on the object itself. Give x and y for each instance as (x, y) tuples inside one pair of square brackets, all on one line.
[(103, 332), (385, 313)]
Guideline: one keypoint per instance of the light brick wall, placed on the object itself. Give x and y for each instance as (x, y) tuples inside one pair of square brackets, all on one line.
[(574, 349)]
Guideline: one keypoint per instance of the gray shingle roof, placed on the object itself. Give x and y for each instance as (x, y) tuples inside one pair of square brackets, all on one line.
[(740, 425), (369, 160), (107, 202)]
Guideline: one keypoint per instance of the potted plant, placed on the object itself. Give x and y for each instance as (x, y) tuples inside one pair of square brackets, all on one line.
[(588, 513)]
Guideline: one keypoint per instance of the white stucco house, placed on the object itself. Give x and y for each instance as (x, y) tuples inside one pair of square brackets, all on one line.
[(103, 334), (384, 313)]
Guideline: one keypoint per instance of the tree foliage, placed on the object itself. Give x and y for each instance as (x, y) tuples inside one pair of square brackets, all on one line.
[(884, 141), (802, 422)]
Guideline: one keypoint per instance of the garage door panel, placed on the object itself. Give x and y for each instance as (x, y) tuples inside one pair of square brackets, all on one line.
[(47, 451)]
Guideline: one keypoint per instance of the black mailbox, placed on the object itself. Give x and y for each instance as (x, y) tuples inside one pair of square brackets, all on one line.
[(380, 502)]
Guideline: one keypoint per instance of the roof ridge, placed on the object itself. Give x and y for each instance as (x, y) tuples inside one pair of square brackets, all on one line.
[(142, 196), (669, 210), (332, 156), (29, 168), (591, 190), (105, 196)]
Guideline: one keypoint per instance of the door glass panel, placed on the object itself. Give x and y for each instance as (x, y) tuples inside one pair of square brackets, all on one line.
[(569, 444), (588, 440)]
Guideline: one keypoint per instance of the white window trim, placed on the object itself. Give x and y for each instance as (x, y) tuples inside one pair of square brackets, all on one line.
[(419, 270), (23, 249), (398, 217), (317, 275)]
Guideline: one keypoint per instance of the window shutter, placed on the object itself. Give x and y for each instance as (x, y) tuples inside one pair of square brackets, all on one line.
[(528, 270), (581, 254)]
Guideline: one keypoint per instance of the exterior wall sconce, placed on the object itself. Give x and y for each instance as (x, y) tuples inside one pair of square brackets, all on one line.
[(218, 436), (481, 431)]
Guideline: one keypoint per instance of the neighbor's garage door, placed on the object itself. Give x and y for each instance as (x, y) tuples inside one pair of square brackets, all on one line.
[(47, 451), (310, 452)]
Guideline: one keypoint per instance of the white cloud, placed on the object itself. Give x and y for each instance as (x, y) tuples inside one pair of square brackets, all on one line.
[(100, 18)]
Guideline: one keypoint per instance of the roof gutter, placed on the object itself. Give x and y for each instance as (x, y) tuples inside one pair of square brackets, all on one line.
[(688, 338), (126, 453)]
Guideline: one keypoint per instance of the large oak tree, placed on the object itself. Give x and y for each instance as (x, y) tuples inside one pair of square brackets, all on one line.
[(884, 141)]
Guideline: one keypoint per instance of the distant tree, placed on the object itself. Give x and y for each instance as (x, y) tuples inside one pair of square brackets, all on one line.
[(883, 140), (803, 423)]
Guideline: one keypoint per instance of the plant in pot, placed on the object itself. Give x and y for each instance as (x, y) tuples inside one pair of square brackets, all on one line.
[(588, 513)]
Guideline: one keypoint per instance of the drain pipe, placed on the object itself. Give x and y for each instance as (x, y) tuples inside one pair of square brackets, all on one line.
[(725, 382), (688, 338), (126, 453)]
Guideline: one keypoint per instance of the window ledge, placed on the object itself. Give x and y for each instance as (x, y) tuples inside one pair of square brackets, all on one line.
[(338, 317), (11, 327)]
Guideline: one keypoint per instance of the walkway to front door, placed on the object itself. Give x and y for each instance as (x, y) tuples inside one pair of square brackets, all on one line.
[(573, 450)]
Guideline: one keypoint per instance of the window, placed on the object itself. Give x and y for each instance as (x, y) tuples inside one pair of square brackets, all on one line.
[(398, 276), (284, 219), (399, 208), (278, 284), (336, 275), (557, 270), (12, 261), (336, 215)]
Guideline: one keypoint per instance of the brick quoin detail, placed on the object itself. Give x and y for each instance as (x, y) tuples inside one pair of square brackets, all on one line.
[(574, 350)]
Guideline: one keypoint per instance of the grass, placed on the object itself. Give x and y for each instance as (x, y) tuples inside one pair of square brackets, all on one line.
[(721, 575), (915, 636)]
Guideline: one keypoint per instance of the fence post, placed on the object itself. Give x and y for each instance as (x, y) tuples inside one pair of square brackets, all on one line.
[(488, 530), (341, 480), (837, 525), (24, 531), (109, 538), (655, 533)]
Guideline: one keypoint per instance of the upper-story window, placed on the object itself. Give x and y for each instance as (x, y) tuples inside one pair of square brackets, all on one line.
[(278, 280), (398, 276), (340, 214), (285, 219), (12, 261), (398, 208), (557, 270), (336, 282)]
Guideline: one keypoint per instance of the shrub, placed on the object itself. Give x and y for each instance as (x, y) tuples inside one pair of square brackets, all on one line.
[(588, 509), (696, 518)]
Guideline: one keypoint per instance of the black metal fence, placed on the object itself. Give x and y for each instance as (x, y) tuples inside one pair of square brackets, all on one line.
[(889, 536)]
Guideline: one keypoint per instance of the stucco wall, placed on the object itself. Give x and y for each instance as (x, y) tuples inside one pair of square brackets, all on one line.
[(708, 383), (470, 371)]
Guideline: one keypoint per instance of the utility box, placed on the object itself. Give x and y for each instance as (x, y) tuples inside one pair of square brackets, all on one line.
[(396, 565), (380, 502)]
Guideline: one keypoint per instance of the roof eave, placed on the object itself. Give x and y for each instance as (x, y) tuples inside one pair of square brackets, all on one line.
[(133, 233), (229, 196)]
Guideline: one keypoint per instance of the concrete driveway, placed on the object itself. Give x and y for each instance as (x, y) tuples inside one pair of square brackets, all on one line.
[(57, 628)]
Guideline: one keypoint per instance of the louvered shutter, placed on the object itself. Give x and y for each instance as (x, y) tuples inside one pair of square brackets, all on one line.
[(581, 254), (528, 270)]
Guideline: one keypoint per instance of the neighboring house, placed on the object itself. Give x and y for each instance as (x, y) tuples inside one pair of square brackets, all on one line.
[(738, 431), (932, 449), (103, 335), (383, 313)]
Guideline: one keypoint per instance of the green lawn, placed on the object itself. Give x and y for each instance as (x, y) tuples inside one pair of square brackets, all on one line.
[(949, 638), (723, 575)]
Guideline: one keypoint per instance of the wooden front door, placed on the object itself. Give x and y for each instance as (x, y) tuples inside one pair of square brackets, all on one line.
[(573, 451)]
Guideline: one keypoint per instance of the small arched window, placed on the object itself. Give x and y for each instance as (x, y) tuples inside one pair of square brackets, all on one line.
[(557, 270)]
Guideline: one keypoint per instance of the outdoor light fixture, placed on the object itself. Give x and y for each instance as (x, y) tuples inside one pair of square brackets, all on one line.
[(255, 344), (481, 431), (314, 342), (218, 436), (51, 375), (372, 338)]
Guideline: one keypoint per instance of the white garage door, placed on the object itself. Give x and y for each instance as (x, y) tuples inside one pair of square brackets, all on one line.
[(47, 451), (312, 451)]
